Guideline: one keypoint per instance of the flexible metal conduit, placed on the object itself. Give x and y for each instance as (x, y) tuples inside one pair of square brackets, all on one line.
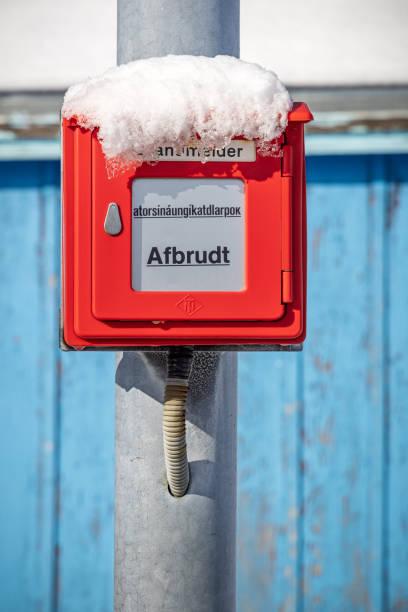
[(174, 419)]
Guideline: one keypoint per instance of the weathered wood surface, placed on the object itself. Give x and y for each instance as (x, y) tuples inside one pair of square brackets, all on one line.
[(323, 512), (56, 419), (323, 453)]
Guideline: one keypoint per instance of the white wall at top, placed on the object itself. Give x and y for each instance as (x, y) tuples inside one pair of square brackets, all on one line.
[(49, 44), (328, 42)]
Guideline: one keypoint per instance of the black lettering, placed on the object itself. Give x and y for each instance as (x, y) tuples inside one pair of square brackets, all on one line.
[(214, 256), (154, 257), (178, 256), (231, 152), (202, 259), (172, 256), (167, 254)]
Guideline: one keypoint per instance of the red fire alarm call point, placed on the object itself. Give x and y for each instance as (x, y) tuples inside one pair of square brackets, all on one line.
[(183, 252)]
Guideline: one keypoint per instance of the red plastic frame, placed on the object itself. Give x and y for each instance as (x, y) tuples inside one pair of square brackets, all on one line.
[(100, 309)]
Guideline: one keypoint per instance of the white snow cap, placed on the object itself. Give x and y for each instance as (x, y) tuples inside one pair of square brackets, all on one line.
[(177, 99)]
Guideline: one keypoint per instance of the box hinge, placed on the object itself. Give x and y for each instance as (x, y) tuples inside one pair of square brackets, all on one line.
[(287, 160), (287, 224), (287, 286)]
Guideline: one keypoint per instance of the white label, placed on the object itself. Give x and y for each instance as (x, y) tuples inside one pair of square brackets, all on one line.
[(236, 151), (188, 234)]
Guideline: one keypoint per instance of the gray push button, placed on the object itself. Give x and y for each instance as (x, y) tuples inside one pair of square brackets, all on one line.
[(113, 222)]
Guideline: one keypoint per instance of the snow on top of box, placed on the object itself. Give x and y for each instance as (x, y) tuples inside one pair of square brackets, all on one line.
[(175, 100)]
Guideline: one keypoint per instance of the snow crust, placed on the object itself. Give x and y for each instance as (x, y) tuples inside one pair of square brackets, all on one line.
[(177, 101)]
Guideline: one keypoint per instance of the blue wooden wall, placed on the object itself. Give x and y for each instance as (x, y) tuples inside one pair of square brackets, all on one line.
[(323, 459), (56, 419)]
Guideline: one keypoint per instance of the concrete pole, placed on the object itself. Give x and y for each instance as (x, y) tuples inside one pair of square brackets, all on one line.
[(175, 554)]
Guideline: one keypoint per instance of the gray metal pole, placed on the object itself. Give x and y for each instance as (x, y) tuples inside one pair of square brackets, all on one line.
[(175, 554), (148, 28)]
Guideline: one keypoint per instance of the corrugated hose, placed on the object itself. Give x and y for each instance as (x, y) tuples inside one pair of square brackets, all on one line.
[(174, 419)]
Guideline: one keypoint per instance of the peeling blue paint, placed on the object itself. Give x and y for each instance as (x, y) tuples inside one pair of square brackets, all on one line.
[(323, 458)]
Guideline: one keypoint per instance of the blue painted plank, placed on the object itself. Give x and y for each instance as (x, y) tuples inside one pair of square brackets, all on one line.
[(28, 299), (322, 436), (86, 541), (57, 430), (343, 387), (269, 487), (396, 525)]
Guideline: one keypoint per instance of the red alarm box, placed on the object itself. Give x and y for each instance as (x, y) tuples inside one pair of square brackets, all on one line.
[(181, 252)]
